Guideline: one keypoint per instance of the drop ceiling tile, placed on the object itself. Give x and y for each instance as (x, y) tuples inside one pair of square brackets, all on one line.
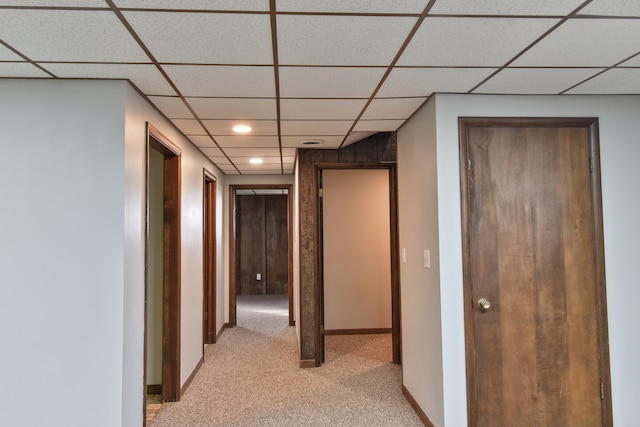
[(585, 43), (358, 136), (247, 152), (377, 125), (315, 128), (294, 142), (244, 5), (20, 69), (406, 82), (230, 108), (535, 80), (189, 126), (8, 55), (213, 152), (227, 169), (327, 109), (340, 40), (202, 141), (220, 160), (618, 81), (506, 7), (259, 127), (392, 108), (472, 41), (253, 170), (329, 82), (353, 6), (55, 3), (69, 35), (633, 62), (205, 37), (612, 8), (145, 76), (223, 81), (247, 141), (171, 106)]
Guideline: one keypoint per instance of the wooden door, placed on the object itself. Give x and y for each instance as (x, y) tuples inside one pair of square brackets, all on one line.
[(537, 351)]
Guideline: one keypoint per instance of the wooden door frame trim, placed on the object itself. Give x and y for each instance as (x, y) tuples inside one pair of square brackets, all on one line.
[(394, 252), (232, 244), (171, 261), (209, 257), (591, 124)]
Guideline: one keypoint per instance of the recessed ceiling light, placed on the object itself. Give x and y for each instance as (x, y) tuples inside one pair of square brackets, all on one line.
[(255, 161), (242, 128), (312, 142)]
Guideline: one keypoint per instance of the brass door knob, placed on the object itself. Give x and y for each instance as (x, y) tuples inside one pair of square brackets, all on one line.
[(483, 304)]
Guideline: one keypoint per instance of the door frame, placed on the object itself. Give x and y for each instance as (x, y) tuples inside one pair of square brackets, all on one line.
[(233, 247), (209, 256), (396, 332), (171, 263), (591, 124)]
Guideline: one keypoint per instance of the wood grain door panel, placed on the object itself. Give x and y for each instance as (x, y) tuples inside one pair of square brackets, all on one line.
[(531, 251)]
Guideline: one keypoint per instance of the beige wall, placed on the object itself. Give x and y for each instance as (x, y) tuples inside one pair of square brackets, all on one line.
[(357, 259)]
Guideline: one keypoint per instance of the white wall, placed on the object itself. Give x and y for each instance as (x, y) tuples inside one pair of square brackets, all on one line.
[(420, 286), (61, 252), (619, 123), (357, 249), (193, 162)]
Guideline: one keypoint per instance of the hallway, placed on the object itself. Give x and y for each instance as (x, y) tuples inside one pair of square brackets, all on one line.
[(250, 377)]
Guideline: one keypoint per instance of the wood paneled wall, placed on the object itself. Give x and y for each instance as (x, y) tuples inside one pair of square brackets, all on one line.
[(262, 244), (374, 150)]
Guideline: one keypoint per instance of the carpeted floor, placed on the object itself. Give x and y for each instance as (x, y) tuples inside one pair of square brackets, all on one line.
[(250, 377)]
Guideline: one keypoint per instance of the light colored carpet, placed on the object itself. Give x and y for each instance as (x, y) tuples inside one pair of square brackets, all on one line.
[(250, 377)]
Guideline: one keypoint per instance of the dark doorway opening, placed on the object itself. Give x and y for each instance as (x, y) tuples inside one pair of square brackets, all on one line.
[(253, 254)]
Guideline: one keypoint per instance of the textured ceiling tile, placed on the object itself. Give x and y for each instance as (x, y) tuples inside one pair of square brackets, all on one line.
[(145, 76), (535, 80), (229, 108), (353, 6), (612, 8), (329, 82), (202, 141), (505, 7), (315, 128), (340, 40), (223, 81), (214, 152), (172, 107), (392, 108), (584, 43), (325, 109), (296, 142), (205, 38), (358, 136), (55, 3), (20, 69), (247, 141), (224, 127), (378, 125), (69, 35), (405, 82), (472, 41), (633, 62), (189, 127), (613, 82), (8, 55), (245, 5), (252, 152)]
